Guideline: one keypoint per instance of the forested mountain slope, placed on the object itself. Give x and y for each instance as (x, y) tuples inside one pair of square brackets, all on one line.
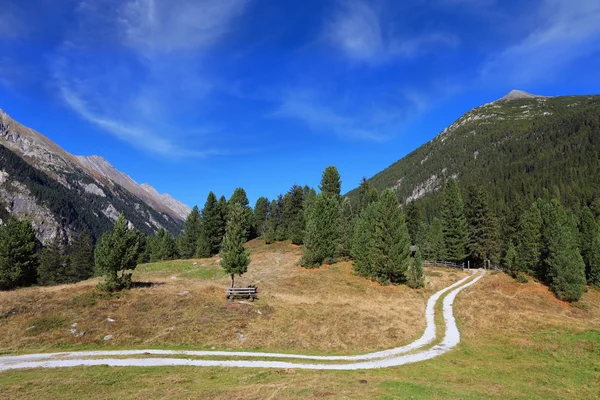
[(518, 148), (54, 189)]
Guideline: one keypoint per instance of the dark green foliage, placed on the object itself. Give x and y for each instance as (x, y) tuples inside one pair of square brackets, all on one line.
[(415, 278), (391, 242), (239, 197), (347, 222), (280, 230), (191, 232), (362, 242), (213, 226), (18, 258), (162, 246), (117, 251), (81, 255), (293, 214), (234, 257), (272, 222), (454, 223), (203, 246), (512, 266), (367, 194), (529, 239), (261, 212), (414, 216), (563, 265), (589, 240), (431, 240), (331, 185), (484, 241), (77, 209), (55, 265), (322, 232)]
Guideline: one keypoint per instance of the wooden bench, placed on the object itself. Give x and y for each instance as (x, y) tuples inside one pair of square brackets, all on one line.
[(249, 292)]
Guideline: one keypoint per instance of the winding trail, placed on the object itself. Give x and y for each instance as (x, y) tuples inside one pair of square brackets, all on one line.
[(382, 359)]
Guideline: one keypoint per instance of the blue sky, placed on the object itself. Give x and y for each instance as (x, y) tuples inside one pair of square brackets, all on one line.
[(199, 95)]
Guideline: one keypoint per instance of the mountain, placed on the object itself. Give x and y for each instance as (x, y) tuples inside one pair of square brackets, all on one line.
[(55, 189), (518, 148)]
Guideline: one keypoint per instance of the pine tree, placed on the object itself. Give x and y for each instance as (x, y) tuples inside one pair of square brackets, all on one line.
[(590, 246), (191, 232), (454, 223), (280, 231), (563, 265), (435, 240), (117, 251), (293, 215), (529, 238), (54, 267), (415, 278), (322, 232), (271, 232), (362, 242), (234, 257), (239, 197), (212, 229), (162, 246), (482, 227), (331, 184), (414, 217), (364, 194), (203, 246), (81, 255), (347, 222), (18, 257), (261, 211), (391, 241), (511, 264)]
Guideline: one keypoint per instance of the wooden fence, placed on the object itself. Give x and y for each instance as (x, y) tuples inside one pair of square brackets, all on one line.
[(448, 264)]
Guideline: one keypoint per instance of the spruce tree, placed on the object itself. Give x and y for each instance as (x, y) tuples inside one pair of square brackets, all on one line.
[(322, 236), (347, 221), (261, 211), (117, 251), (362, 242), (162, 246), (435, 239), (191, 233), (454, 223), (234, 257), (391, 241), (212, 229), (482, 227), (331, 184), (364, 192), (54, 267), (563, 264), (590, 246), (81, 255), (414, 217), (529, 238), (203, 246), (18, 257), (293, 215), (271, 231), (415, 277), (281, 229), (239, 197)]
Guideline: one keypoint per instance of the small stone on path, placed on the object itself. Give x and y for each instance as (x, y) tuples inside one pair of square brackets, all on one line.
[(108, 337)]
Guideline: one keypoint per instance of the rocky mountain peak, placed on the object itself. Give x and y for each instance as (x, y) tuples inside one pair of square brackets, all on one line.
[(516, 94)]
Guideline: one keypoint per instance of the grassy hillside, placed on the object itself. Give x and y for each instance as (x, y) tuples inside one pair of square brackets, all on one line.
[(518, 150), (518, 340)]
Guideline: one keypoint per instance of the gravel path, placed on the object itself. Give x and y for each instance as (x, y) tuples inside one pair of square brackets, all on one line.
[(382, 359)]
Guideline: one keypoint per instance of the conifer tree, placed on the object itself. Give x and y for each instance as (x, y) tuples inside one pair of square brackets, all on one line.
[(322, 236), (310, 195), (563, 264), (281, 231), (81, 255), (203, 246), (271, 232), (117, 251), (414, 217), (234, 257), (239, 197), (191, 233), (435, 240), (590, 246), (364, 194), (331, 184), (293, 215), (18, 257), (347, 221), (54, 267), (512, 266), (212, 229), (483, 228), (529, 238), (362, 242), (162, 246), (391, 241), (454, 223), (261, 211), (415, 278)]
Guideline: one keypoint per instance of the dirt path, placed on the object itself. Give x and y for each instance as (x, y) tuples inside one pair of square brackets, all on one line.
[(382, 359)]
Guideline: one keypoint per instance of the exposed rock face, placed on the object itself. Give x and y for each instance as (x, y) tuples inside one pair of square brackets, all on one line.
[(519, 94), (91, 186)]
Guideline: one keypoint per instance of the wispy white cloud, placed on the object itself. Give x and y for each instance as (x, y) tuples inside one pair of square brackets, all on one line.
[(352, 117), (563, 31), (358, 29), (153, 71)]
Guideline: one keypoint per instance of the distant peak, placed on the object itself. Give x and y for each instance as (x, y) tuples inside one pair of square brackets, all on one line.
[(519, 94)]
